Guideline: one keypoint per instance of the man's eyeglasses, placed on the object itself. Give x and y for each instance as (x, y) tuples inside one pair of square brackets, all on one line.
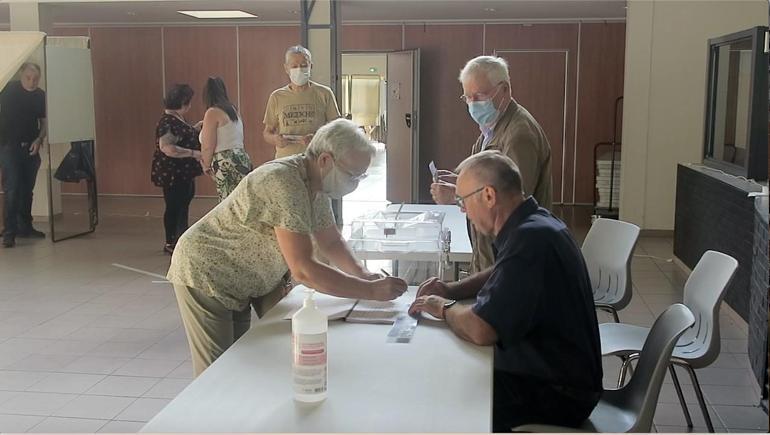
[(460, 200), (480, 96)]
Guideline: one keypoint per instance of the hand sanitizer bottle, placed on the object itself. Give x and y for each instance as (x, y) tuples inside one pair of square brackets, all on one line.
[(308, 336)]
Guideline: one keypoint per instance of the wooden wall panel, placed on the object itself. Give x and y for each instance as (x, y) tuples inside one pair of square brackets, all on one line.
[(262, 52), (547, 37), (539, 85), (128, 72), (127, 91), (447, 132), (371, 38), (602, 63), (193, 54)]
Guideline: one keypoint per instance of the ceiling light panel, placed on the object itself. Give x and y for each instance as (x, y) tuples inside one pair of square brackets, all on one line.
[(209, 15)]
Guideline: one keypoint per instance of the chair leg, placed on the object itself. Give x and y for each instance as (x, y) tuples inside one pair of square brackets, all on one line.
[(623, 368), (615, 315), (678, 388), (699, 395)]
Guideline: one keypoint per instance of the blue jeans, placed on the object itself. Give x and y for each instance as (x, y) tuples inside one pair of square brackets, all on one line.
[(19, 172)]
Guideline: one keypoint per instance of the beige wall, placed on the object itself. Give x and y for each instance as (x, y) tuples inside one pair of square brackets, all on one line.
[(665, 84)]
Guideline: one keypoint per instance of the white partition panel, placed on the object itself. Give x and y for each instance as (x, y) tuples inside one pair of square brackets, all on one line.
[(70, 94)]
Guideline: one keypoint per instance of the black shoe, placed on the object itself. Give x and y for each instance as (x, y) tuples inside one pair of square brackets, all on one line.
[(9, 242), (168, 248), (31, 234)]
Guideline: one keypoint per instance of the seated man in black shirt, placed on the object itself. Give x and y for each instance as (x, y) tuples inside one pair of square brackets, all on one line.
[(534, 305), (22, 130)]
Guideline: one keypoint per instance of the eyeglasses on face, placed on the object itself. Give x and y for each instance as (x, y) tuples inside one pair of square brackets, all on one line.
[(480, 96), (460, 200), (353, 177)]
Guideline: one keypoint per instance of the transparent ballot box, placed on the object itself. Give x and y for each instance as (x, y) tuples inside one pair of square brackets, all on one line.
[(397, 232)]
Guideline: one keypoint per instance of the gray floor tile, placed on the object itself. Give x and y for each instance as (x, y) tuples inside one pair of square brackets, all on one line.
[(95, 407), (68, 425), (18, 423), (143, 409), (167, 388), (19, 380), (117, 426), (95, 365), (668, 414), (128, 386), (73, 383), (743, 417), (28, 403)]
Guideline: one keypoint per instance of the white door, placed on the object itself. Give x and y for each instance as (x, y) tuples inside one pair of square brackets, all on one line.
[(403, 121)]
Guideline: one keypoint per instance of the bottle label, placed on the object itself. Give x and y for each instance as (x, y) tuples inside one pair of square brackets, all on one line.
[(309, 363)]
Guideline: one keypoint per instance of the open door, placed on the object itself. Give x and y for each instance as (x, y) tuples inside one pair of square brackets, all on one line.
[(403, 132)]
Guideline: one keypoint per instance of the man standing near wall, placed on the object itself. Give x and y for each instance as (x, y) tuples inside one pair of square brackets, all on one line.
[(505, 126), (23, 128), (295, 111)]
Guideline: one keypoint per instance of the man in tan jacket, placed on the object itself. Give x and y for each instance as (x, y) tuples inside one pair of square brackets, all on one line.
[(505, 126)]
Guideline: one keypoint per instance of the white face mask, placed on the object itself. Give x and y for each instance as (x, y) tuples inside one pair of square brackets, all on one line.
[(300, 76), (337, 184)]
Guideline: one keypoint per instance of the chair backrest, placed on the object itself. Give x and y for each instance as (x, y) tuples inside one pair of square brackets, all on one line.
[(641, 393), (703, 294), (608, 249)]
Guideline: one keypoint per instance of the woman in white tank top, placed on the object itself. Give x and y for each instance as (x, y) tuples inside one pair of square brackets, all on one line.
[(222, 154)]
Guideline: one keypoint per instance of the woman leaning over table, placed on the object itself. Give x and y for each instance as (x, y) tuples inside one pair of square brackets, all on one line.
[(244, 251)]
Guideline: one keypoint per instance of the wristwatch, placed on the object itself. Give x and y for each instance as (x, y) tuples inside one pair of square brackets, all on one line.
[(447, 304)]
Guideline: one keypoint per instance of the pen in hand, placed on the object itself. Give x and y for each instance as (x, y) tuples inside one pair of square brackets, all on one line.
[(384, 273)]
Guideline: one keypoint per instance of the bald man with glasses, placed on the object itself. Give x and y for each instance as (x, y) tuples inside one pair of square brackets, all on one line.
[(535, 305)]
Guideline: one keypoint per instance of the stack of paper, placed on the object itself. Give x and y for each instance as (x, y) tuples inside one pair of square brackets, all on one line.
[(361, 311), (380, 312)]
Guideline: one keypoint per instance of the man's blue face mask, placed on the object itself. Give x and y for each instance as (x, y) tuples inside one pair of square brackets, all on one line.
[(484, 111)]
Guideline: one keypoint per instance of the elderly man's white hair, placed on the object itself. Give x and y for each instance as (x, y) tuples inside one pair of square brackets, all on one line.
[(298, 49), (494, 68), (339, 138)]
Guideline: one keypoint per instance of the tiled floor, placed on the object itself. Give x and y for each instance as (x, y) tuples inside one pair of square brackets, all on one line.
[(86, 346)]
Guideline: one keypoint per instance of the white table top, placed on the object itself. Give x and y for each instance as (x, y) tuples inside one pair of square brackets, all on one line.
[(459, 250), (435, 383)]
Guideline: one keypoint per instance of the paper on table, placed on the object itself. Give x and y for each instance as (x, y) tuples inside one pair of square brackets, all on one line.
[(335, 308), (380, 312)]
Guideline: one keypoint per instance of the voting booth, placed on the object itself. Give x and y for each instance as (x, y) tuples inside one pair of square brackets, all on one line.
[(65, 192)]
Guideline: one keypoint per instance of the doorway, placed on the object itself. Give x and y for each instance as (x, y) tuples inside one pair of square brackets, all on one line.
[(380, 93), (364, 82)]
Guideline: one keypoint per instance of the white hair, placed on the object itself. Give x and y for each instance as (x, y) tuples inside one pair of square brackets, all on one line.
[(339, 138), (494, 68), (298, 49)]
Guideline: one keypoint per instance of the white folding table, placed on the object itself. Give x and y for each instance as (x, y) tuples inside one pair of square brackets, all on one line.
[(435, 383)]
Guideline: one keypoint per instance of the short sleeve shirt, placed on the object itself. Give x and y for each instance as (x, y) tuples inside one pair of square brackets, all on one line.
[(300, 113), (539, 302), (232, 253), (20, 112), (168, 171)]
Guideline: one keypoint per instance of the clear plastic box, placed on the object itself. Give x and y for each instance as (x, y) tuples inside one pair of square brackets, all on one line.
[(391, 231)]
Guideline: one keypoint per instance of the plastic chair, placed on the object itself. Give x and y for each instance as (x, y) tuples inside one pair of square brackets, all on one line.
[(632, 408), (608, 249), (700, 345)]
